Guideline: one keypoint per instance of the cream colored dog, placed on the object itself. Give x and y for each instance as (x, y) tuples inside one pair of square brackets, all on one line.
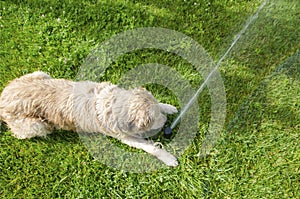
[(35, 104)]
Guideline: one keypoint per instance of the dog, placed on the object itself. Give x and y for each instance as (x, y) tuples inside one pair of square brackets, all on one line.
[(36, 104)]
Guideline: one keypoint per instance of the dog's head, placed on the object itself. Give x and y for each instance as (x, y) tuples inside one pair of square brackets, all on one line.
[(144, 113)]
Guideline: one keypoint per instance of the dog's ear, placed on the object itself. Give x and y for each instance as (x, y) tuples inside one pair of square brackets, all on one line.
[(141, 109)]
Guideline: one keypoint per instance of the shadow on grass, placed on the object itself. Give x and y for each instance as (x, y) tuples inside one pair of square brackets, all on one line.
[(3, 127), (258, 155), (59, 136), (272, 38), (259, 104)]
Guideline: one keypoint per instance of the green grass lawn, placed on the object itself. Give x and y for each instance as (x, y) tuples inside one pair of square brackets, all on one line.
[(258, 153)]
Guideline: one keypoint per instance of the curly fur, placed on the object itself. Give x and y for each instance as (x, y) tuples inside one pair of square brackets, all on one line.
[(35, 104)]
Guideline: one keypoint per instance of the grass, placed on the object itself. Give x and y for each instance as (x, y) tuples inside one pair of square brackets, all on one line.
[(258, 154)]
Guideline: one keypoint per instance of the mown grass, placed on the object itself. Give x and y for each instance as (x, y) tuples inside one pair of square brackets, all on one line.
[(258, 154)]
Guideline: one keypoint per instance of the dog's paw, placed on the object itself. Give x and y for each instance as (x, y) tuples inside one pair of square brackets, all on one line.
[(167, 158), (172, 162), (167, 108)]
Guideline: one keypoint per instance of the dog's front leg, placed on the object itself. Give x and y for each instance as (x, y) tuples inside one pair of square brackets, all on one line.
[(167, 108), (150, 148)]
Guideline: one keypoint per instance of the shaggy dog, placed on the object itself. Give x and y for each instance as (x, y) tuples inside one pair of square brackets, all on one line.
[(35, 104)]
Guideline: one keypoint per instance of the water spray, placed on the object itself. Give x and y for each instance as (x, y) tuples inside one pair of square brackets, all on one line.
[(168, 130)]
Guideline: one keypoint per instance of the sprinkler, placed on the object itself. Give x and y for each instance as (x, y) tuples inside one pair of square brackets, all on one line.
[(168, 130)]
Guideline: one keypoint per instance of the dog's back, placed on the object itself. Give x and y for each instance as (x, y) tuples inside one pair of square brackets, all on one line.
[(55, 101), (37, 95), (29, 77)]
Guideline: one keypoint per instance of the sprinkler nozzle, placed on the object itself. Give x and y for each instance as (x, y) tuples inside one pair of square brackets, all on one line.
[(168, 132)]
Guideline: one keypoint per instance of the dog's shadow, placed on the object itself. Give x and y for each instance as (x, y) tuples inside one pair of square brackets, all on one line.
[(59, 136), (3, 127), (62, 136), (55, 137)]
